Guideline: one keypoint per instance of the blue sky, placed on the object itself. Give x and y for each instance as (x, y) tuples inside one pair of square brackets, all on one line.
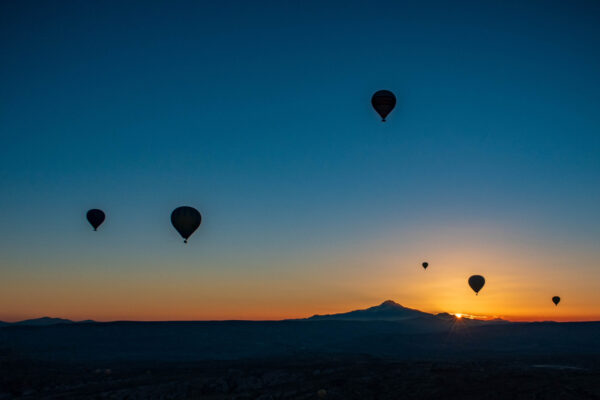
[(258, 114)]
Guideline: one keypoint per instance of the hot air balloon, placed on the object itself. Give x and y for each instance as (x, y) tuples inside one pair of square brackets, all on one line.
[(425, 265), (186, 220), (476, 282), (556, 300), (95, 217), (383, 102)]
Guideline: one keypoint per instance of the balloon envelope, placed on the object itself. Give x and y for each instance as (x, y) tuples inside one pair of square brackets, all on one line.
[(186, 220), (425, 265), (476, 282), (556, 300), (383, 102), (95, 217)]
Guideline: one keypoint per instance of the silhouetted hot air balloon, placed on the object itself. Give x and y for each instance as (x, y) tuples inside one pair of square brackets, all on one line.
[(556, 300), (383, 102), (95, 217), (425, 265), (186, 220), (476, 282)]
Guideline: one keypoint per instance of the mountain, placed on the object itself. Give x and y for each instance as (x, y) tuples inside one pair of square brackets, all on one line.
[(44, 321), (389, 310), (386, 311)]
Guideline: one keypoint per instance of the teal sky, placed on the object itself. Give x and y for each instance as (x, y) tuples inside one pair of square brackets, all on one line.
[(258, 114)]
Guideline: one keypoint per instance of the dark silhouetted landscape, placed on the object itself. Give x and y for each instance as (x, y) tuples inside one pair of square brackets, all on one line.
[(376, 353)]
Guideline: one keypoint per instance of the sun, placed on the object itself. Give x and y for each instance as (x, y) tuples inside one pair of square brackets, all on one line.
[(458, 315)]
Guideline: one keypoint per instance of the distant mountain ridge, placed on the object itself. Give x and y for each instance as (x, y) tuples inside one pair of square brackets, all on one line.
[(389, 310), (43, 321)]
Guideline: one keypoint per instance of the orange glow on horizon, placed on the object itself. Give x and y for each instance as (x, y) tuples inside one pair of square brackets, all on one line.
[(521, 278)]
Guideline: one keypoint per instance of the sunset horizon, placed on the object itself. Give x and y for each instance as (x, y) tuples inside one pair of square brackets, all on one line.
[(550, 317)]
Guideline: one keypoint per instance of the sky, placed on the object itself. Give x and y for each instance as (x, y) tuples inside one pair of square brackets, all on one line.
[(258, 114)]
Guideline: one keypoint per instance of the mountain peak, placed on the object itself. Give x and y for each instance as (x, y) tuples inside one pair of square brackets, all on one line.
[(390, 303), (389, 310)]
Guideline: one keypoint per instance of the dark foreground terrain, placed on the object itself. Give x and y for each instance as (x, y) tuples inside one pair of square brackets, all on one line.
[(425, 357), (304, 378)]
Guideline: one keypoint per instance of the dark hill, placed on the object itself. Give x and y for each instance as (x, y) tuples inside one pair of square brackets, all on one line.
[(44, 321), (386, 311)]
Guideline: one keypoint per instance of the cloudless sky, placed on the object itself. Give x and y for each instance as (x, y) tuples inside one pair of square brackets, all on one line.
[(258, 114)]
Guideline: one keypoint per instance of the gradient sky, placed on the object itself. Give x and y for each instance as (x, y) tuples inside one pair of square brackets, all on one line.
[(258, 114)]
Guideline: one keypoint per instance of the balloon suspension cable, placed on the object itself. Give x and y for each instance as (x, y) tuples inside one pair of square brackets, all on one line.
[(184, 240), (95, 229)]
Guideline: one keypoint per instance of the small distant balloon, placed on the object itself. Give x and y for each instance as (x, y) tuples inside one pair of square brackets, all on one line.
[(425, 265), (556, 300), (383, 102), (186, 220), (95, 217), (322, 393), (476, 282)]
